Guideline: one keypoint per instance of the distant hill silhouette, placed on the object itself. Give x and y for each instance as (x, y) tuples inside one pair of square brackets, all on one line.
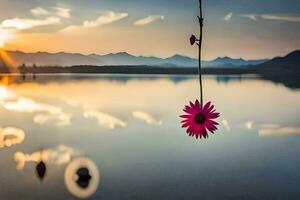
[(284, 70), (290, 62), (52, 59), (121, 59), (124, 58), (227, 61)]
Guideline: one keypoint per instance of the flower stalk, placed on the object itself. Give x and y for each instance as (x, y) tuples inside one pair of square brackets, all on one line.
[(200, 18), (198, 41)]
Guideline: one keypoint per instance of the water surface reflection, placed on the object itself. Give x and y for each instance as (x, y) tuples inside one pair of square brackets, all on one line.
[(129, 127), (10, 136)]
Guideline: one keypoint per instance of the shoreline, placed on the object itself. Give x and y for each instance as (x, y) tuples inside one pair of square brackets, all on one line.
[(152, 70)]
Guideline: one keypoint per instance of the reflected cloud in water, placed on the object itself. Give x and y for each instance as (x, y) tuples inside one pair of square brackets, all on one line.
[(271, 126), (269, 129), (58, 155), (5, 94), (10, 101), (226, 124), (249, 125), (104, 119), (283, 131), (10, 136), (30, 106), (146, 117), (62, 119), (82, 177)]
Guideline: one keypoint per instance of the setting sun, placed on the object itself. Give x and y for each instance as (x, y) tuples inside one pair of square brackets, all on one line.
[(5, 35)]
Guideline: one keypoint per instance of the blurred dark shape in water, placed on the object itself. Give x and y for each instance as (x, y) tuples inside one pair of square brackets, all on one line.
[(41, 170), (228, 78), (291, 82), (84, 177), (288, 80)]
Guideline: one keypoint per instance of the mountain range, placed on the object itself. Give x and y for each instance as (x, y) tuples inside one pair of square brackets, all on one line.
[(289, 62), (120, 59)]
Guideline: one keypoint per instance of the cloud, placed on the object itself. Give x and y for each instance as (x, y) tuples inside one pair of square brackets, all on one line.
[(27, 23), (250, 16), (284, 131), (58, 11), (289, 18), (104, 119), (39, 11), (278, 17), (228, 16), (63, 12), (146, 117), (71, 29), (106, 18), (5, 35), (10, 136), (22, 24), (148, 20)]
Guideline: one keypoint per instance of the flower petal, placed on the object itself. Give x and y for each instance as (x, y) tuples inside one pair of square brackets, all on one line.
[(185, 116), (211, 108), (189, 130), (206, 106), (192, 105), (211, 127), (185, 125), (188, 110), (205, 133), (213, 115), (214, 123), (197, 105)]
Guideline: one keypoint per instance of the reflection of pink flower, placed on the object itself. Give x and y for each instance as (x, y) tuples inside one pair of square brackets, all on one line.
[(193, 39), (199, 119)]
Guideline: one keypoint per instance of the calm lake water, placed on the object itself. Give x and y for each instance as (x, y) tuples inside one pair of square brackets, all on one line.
[(128, 127)]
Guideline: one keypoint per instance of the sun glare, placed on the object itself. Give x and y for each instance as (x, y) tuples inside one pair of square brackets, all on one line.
[(5, 35)]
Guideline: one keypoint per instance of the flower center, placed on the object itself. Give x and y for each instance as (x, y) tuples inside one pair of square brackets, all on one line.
[(199, 118)]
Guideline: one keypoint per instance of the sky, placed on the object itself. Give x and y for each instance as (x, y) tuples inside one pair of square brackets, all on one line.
[(249, 29)]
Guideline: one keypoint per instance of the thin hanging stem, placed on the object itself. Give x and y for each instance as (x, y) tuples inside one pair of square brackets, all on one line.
[(200, 18)]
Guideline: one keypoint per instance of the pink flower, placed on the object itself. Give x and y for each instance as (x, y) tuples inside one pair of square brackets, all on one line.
[(193, 39), (199, 119)]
